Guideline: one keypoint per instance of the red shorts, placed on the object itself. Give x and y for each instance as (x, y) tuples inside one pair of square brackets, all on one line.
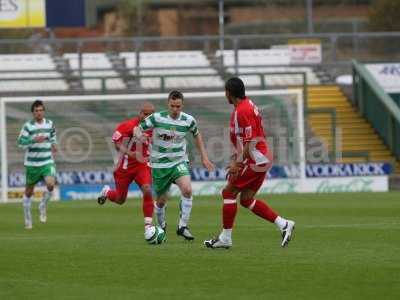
[(251, 177), (140, 173)]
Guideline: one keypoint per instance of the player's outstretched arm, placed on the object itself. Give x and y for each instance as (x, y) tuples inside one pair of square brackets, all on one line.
[(122, 149), (204, 157), (138, 132), (145, 125)]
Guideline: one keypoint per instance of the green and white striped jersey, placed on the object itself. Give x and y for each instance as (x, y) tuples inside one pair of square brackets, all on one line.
[(168, 147), (37, 154)]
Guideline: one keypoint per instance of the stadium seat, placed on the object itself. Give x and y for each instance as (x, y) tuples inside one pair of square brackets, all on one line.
[(175, 63), (15, 66), (16, 62), (32, 85), (254, 61), (93, 61)]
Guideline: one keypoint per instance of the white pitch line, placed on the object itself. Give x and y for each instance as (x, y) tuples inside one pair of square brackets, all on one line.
[(394, 225), (22, 238)]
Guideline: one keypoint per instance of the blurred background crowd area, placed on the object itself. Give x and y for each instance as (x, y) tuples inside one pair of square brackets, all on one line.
[(166, 18)]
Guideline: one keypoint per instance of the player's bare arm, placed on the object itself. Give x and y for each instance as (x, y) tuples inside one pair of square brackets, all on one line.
[(236, 163), (140, 134), (204, 157), (54, 149), (122, 149), (233, 169)]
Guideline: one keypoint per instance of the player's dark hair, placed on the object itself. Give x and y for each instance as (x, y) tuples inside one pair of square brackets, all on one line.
[(175, 95), (235, 87), (37, 103)]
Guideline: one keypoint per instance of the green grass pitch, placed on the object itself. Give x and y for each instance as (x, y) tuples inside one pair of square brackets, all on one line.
[(346, 246)]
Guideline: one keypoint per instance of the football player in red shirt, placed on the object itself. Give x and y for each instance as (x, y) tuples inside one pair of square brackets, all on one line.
[(132, 165), (248, 167)]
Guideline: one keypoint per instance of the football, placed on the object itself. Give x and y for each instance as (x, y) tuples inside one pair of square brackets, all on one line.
[(155, 235)]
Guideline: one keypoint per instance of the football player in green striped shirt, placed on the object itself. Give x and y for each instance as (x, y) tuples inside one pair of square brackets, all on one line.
[(168, 159), (38, 139)]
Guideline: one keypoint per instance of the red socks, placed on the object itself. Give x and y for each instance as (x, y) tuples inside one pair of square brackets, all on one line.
[(229, 209), (260, 208), (148, 205)]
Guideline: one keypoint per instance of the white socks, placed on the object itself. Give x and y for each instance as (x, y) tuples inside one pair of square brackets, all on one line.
[(148, 222), (46, 197), (186, 208), (26, 202), (280, 222), (226, 235), (160, 213)]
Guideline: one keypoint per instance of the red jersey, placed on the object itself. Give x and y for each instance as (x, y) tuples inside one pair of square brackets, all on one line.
[(123, 134), (246, 125)]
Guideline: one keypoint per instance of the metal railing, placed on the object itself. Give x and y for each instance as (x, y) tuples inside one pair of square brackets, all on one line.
[(162, 77), (357, 154), (377, 107), (337, 47), (336, 153)]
